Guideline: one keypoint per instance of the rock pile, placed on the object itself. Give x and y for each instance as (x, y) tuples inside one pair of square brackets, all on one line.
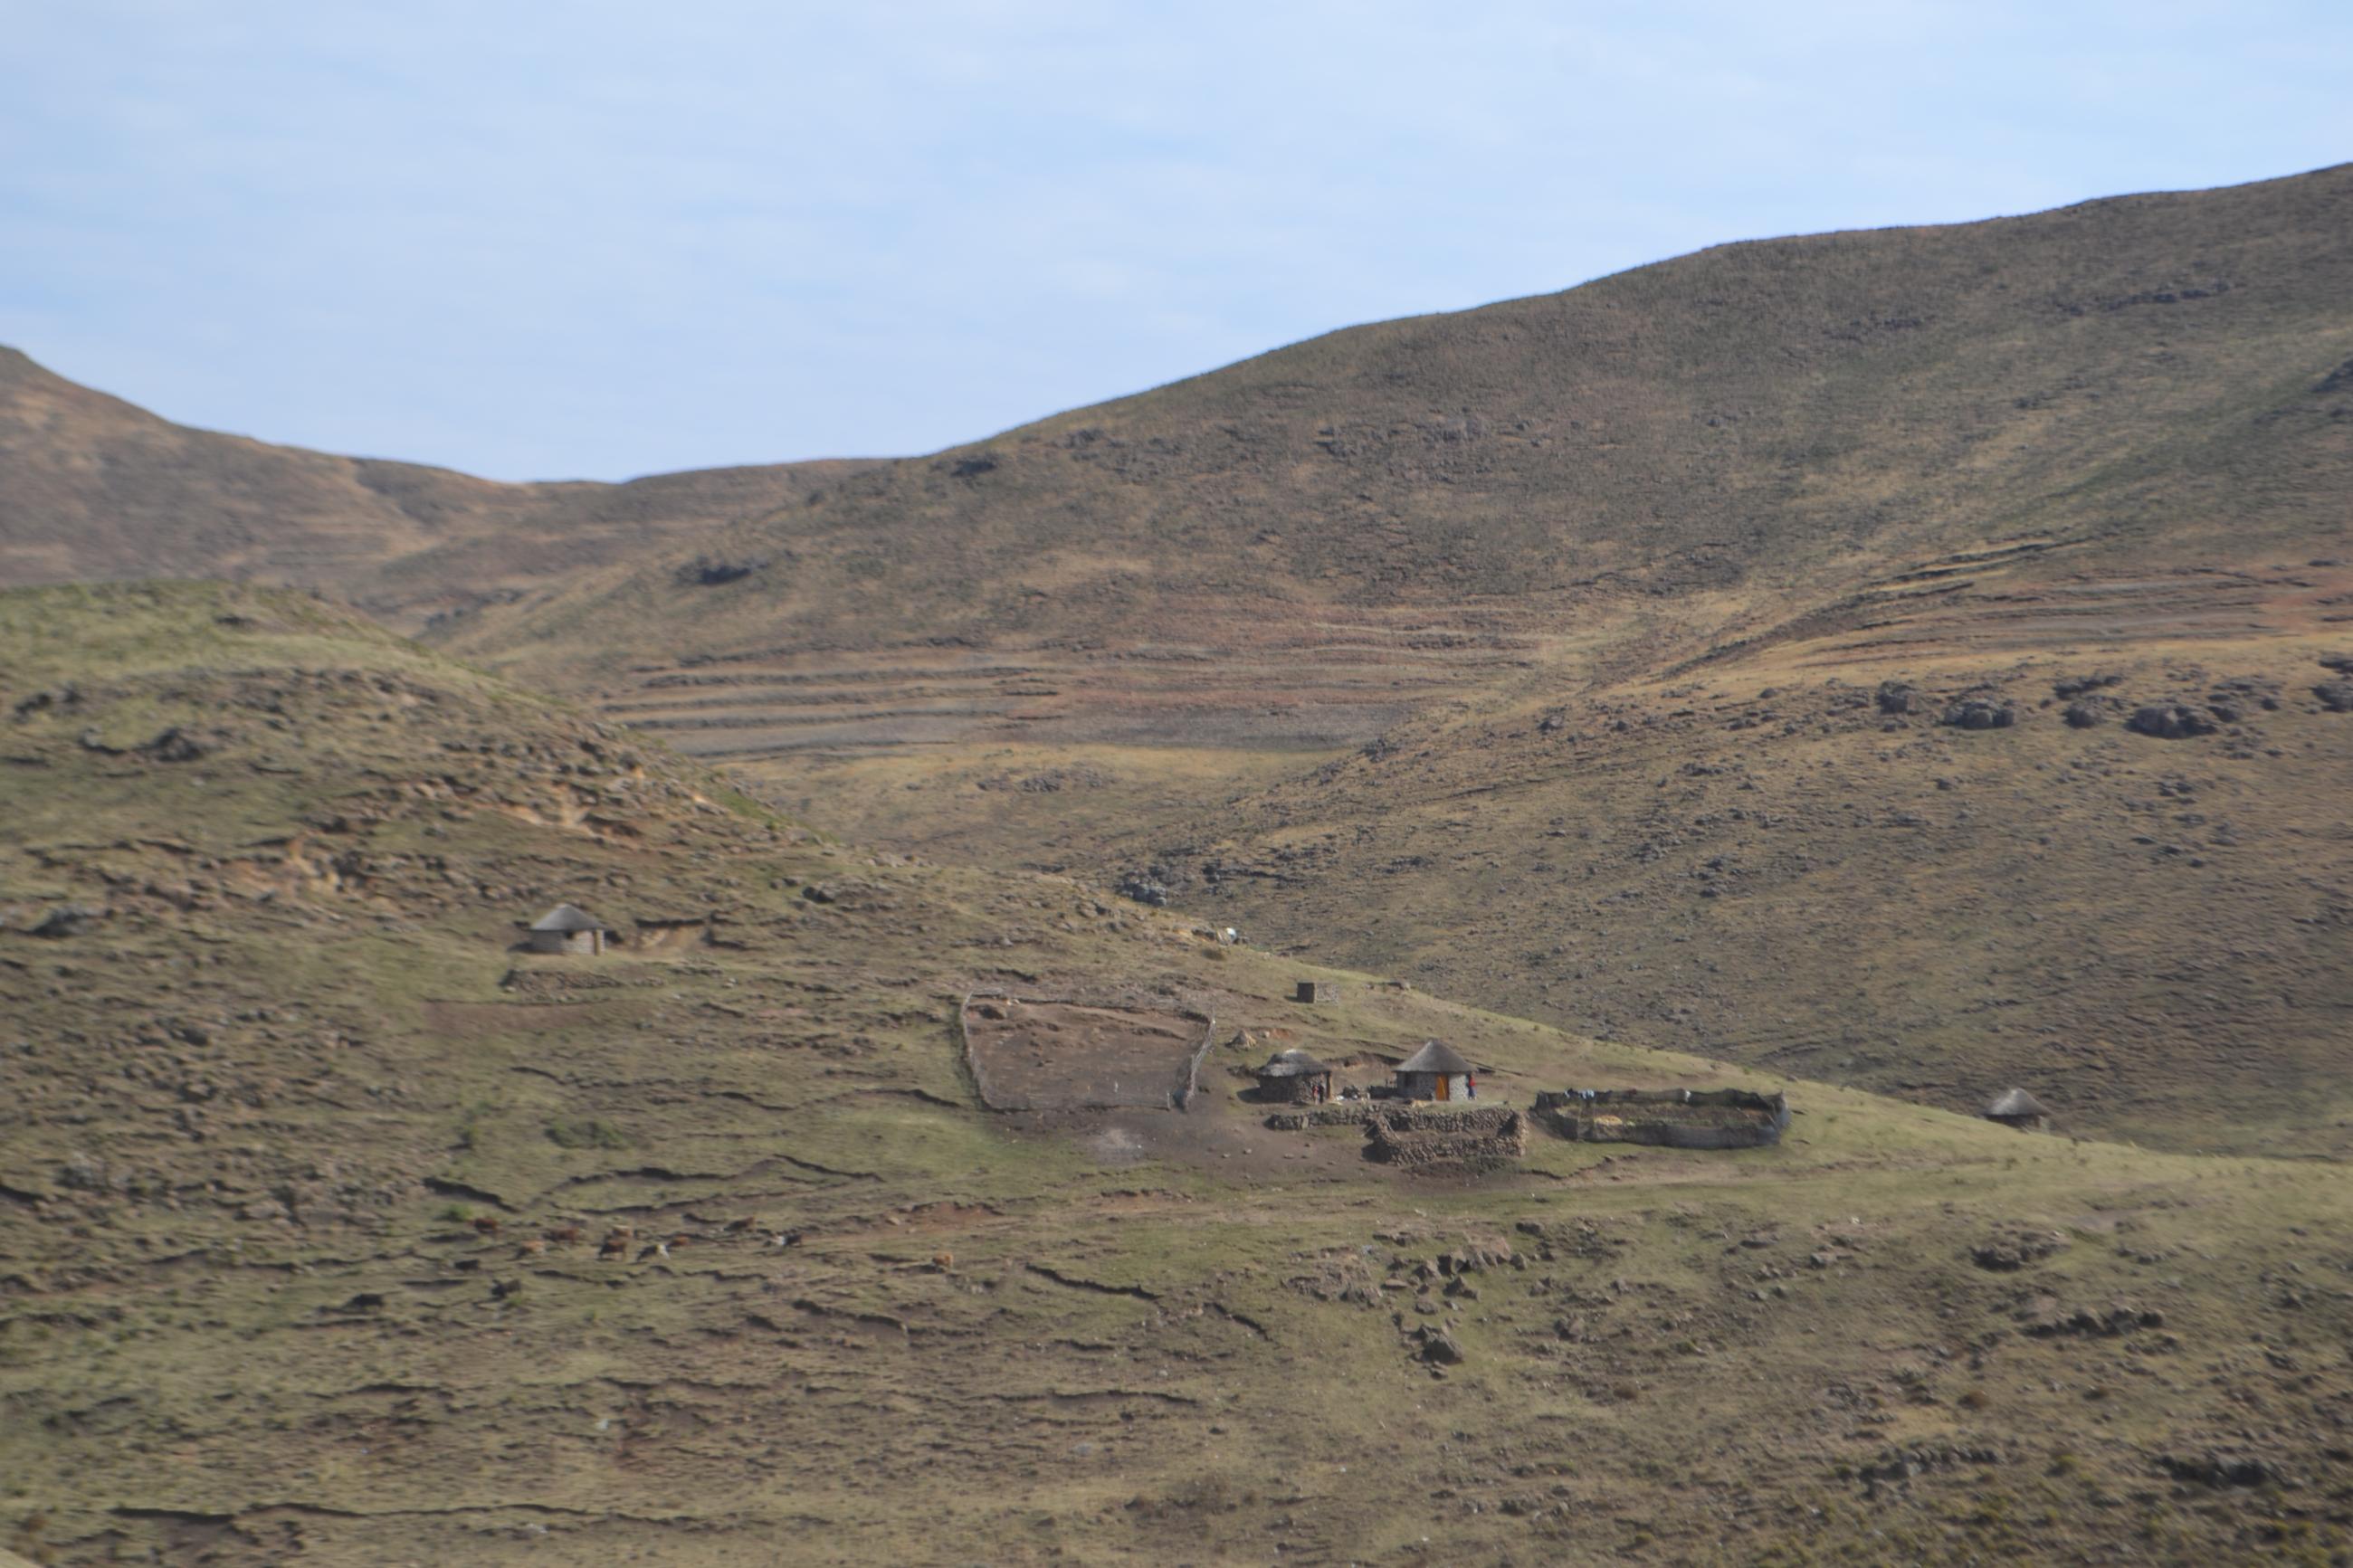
[(1452, 1141)]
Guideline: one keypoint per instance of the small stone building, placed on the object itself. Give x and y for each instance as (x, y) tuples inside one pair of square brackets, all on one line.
[(1294, 1077), (566, 929), (2016, 1108), (1316, 991), (1437, 1071)]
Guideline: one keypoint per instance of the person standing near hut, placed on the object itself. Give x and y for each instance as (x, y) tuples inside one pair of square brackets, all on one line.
[(1294, 1077)]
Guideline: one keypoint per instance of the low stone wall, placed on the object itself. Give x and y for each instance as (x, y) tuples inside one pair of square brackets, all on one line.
[(1457, 1141), (1674, 1118), (1331, 1114)]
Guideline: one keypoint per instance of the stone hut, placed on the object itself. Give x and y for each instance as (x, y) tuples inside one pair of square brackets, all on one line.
[(566, 929), (1294, 1077), (2016, 1108), (1316, 991), (1437, 1071)]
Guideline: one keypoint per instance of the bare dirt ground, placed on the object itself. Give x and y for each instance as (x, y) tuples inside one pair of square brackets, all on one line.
[(1046, 1054)]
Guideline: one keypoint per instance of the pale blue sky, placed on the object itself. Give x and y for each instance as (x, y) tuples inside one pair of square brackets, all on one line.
[(601, 238)]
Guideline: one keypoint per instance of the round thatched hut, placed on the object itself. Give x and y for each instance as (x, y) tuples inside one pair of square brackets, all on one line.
[(2016, 1108), (565, 928), (1294, 1077), (1437, 1071)]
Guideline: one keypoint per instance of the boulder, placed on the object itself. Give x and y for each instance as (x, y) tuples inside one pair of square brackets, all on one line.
[(2169, 721), (68, 919), (710, 571), (2013, 1249), (1979, 713), (175, 745), (2337, 696), (1143, 888), (2216, 1469)]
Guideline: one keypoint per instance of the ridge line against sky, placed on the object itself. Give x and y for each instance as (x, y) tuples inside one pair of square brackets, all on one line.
[(538, 241)]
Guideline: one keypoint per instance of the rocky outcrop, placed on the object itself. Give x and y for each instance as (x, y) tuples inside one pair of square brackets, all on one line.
[(1979, 713), (1897, 698), (2013, 1249), (2169, 721)]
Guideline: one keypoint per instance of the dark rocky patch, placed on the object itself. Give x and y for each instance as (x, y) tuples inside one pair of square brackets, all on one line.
[(2169, 721), (1979, 713)]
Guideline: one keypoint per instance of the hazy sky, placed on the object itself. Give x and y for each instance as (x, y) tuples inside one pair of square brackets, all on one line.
[(601, 239)]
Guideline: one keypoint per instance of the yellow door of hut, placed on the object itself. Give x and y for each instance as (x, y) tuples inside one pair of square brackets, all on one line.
[(1445, 1087)]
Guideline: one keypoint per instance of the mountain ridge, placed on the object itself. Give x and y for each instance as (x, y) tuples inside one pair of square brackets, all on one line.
[(94, 488)]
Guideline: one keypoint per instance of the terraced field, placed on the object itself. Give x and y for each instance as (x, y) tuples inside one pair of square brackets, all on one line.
[(1235, 682)]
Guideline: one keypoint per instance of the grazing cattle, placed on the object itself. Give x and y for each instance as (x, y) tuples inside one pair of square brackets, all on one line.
[(616, 1245), (565, 1232), (737, 1226), (785, 1238), (654, 1249), (488, 1223), (530, 1248), (944, 1261)]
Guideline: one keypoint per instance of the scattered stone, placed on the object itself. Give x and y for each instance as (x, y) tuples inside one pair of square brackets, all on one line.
[(710, 571), (2045, 1319), (2084, 714), (68, 919), (69, 696), (1979, 713), (2081, 685), (1897, 697), (1143, 888), (2169, 721), (82, 1173), (1437, 1346), (2010, 1250), (2337, 696), (2216, 1469), (1906, 1464), (175, 745)]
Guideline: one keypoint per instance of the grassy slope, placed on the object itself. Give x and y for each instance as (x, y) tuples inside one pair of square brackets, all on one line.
[(2117, 438), (244, 1316), (93, 488), (1791, 415)]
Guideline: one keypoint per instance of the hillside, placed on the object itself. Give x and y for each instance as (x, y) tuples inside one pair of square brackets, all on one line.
[(1533, 651), (301, 1206), (1669, 457), (92, 489)]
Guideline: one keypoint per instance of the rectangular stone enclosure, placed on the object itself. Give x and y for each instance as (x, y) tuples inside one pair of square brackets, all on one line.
[(1055, 1053)]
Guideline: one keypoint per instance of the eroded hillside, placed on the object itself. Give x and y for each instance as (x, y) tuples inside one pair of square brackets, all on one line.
[(333, 1228)]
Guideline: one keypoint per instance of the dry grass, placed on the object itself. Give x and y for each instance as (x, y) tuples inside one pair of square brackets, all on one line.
[(249, 1314)]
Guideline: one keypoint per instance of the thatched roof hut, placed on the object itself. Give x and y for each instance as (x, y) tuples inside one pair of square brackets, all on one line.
[(1437, 1071), (1294, 1077), (567, 928), (2016, 1108)]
